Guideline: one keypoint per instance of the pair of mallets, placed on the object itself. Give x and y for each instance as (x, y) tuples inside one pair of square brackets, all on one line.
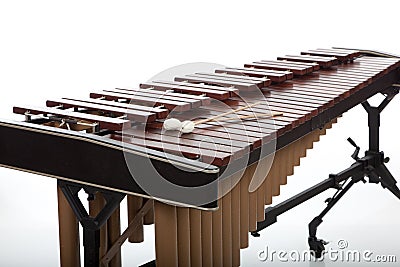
[(188, 126)]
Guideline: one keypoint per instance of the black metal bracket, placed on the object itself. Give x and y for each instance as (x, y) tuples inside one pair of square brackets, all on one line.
[(372, 165), (91, 225)]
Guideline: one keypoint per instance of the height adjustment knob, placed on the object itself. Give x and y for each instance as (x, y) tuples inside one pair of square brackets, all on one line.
[(351, 141), (357, 151)]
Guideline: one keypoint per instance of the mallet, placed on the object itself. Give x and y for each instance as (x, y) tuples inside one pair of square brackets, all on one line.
[(188, 126)]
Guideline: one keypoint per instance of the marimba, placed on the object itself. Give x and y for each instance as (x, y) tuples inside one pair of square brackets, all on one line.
[(206, 190)]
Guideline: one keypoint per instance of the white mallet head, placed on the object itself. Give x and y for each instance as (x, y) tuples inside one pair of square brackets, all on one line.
[(172, 125), (187, 127)]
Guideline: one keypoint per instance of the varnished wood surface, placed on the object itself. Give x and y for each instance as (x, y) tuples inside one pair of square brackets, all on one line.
[(299, 90)]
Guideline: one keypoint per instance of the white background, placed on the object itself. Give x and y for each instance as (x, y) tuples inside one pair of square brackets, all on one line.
[(52, 49)]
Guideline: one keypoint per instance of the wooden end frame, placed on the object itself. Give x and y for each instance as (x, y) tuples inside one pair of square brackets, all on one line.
[(85, 159)]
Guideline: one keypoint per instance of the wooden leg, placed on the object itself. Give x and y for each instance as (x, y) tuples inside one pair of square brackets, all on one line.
[(95, 206), (283, 165), (335, 120), (261, 203), (68, 233), (217, 236), (259, 186), (195, 238), (329, 125), (297, 152), (303, 143), (252, 211), (290, 161), (134, 205), (322, 131), (276, 184), (310, 142), (206, 238), (149, 217), (183, 236), (268, 188), (244, 208), (316, 135), (114, 231), (166, 235), (235, 213), (227, 230)]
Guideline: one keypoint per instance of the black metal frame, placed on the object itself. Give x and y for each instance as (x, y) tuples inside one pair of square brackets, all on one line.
[(372, 165), (91, 225)]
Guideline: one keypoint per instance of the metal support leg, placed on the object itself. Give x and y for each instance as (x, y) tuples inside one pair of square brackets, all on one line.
[(91, 225), (91, 243), (372, 165), (387, 180), (318, 245), (334, 180)]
